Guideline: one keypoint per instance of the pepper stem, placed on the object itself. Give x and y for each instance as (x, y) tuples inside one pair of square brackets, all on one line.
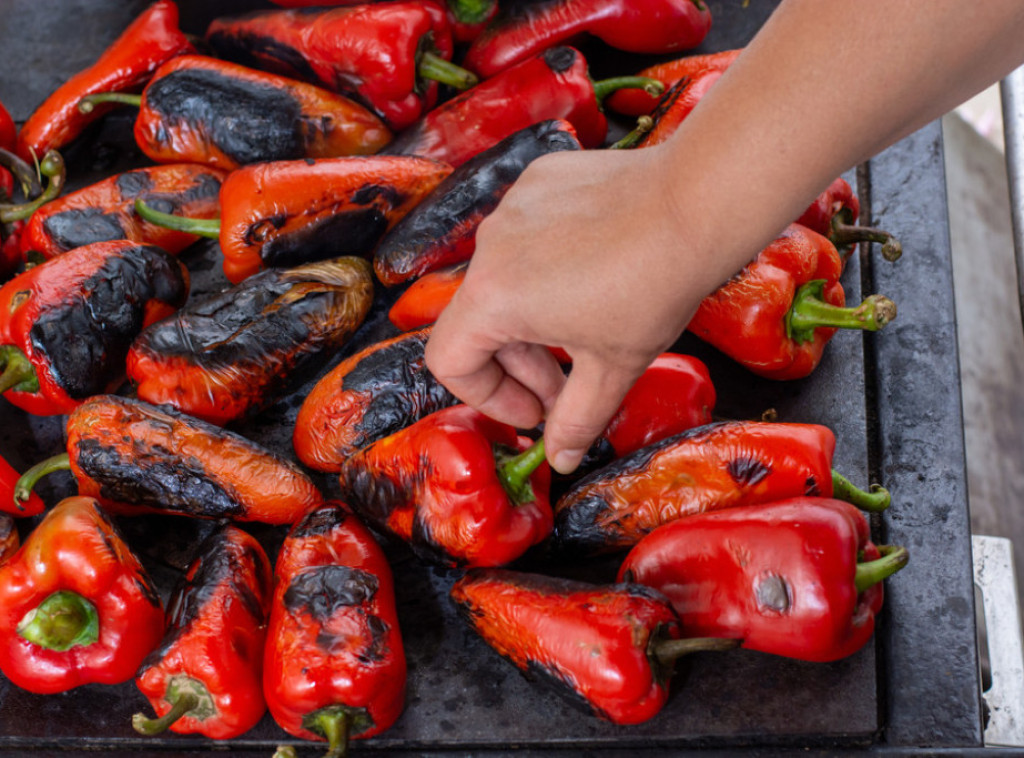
[(179, 707), (844, 233), (24, 173), (605, 87), (868, 573), (62, 621), (52, 167), (88, 103), (202, 227), (644, 124), (436, 68), (809, 311), (470, 11), (27, 481), (334, 724), (668, 651), (876, 500), (18, 372), (514, 473)]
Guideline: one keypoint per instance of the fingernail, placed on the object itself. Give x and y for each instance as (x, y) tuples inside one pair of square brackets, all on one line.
[(566, 461)]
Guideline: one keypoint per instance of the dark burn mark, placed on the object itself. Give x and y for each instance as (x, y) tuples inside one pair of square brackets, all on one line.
[(261, 52), (320, 521), (258, 231), (747, 472), (811, 487), (373, 497), (553, 680), (321, 590), (369, 195), (82, 226), (372, 648), (577, 529), (427, 548), (560, 59), (204, 187), (133, 183), (351, 232)]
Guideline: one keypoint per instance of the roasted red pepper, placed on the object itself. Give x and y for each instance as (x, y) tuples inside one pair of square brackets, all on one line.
[(8, 140), (552, 85), (368, 396), (610, 648), (9, 477), (387, 56), (286, 213), (197, 109), (334, 666), (125, 66), (441, 230), (226, 355), (206, 676), (136, 458), (638, 26), (76, 606), (707, 468), (9, 540), (106, 210), (635, 102), (423, 300), (776, 316), (808, 585), (66, 324), (459, 487)]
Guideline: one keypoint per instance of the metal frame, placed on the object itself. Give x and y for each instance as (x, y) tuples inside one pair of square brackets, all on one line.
[(1012, 91)]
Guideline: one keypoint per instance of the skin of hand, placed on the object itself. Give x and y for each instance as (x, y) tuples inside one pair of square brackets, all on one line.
[(607, 254)]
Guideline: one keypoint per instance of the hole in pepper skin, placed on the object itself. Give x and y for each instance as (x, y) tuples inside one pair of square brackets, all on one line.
[(772, 593)]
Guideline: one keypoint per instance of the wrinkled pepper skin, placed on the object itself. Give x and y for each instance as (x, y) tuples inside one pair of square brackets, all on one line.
[(637, 26), (292, 212), (106, 210), (125, 66), (213, 647), (676, 104), (74, 317), (552, 85), (334, 646), (368, 396), (185, 107), (794, 592), (76, 559), (441, 230), (838, 198), (8, 479), (136, 458), (229, 354), (421, 302), (591, 642), (636, 102), (712, 467), (369, 52), (435, 485)]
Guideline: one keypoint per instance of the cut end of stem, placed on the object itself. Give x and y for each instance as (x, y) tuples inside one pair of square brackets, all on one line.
[(62, 621), (88, 103)]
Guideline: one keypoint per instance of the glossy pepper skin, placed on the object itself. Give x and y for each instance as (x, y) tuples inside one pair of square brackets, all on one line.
[(370, 395), (106, 210), (777, 315), (441, 230), (8, 141), (636, 102), (213, 648), (97, 614), (125, 66), (226, 355), (638, 26), (334, 665), (437, 484), (8, 480), (422, 301), (66, 324), (797, 593)]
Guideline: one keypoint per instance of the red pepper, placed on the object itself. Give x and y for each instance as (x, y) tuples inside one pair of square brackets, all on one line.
[(125, 66), (9, 540), (286, 213), (634, 102), (808, 585), (184, 109), (76, 606), (552, 85), (228, 354), (423, 300), (706, 468), (9, 477), (10, 250), (637, 26), (66, 324), (334, 665), (441, 230), (387, 56), (611, 647), (459, 487), (8, 140), (206, 676), (776, 316)]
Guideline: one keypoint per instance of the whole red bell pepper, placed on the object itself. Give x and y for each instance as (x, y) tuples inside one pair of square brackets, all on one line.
[(66, 324), (125, 66), (9, 477), (638, 26), (286, 213), (387, 56), (422, 301), (206, 676), (808, 587), (334, 665), (612, 647), (459, 487), (76, 606), (777, 315)]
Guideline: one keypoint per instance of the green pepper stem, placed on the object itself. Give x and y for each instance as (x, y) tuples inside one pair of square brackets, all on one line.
[(285, 751), (869, 573), (202, 227), (179, 707), (605, 87), (809, 312), (668, 651), (644, 124), (470, 11), (52, 167), (876, 500), (844, 233), (515, 472), (18, 372), (88, 103), (27, 481), (438, 69), (334, 724), (24, 173), (62, 621)]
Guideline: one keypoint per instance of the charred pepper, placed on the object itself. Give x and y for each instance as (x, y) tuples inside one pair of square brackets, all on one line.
[(9, 540), (639, 103), (206, 676), (808, 587), (76, 606), (422, 301)]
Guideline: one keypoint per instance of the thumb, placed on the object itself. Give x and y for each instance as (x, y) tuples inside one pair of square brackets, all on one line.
[(590, 397)]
